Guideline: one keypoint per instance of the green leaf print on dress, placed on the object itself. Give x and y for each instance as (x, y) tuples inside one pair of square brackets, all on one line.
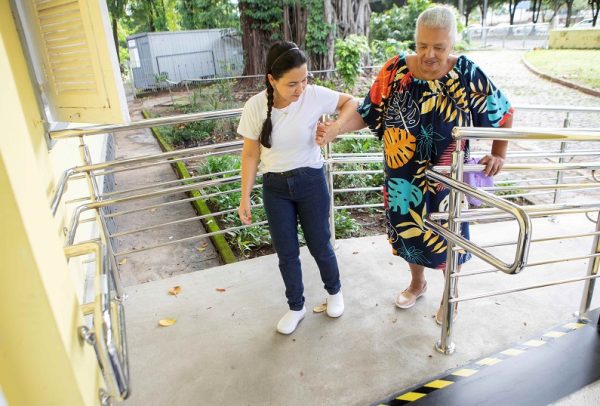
[(402, 193), (427, 140)]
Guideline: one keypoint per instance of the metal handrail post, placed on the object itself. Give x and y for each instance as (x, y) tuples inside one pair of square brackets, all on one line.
[(111, 354), (561, 159), (445, 344), (329, 172), (588, 288), (95, 194)]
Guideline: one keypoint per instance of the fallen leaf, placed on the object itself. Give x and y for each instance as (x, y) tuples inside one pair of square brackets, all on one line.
[(123, 261), (175, 290), (152, 210), (220, 289), (202, 247), (320, 308), (395, 320), (167, 322)]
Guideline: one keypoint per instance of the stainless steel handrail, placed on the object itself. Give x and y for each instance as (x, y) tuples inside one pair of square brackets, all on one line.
[(109, 340), (146, 123), (542, 210), (532, 134), (522, 218), (173, 190), (187, 118), (457, 187), (156, 158)]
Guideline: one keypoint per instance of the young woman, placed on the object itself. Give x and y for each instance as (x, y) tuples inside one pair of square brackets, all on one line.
[(278, 126)]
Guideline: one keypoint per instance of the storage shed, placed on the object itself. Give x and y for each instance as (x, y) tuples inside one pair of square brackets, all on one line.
[(160, 59)]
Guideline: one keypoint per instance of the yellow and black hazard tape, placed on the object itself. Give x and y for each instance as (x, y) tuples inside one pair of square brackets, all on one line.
[(420, 391)]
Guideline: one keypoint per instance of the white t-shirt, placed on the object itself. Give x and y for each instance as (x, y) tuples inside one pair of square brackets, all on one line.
[(293, 137)]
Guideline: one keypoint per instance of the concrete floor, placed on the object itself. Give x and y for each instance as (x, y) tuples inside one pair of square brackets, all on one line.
[(224, 349)]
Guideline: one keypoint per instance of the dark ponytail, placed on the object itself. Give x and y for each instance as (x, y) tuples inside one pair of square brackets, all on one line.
[(282, 57)]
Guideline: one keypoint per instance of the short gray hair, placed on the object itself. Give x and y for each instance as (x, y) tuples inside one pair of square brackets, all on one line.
[(442, 17)]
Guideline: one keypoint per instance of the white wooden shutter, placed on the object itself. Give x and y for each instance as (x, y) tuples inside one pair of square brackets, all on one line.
[(81, 77)]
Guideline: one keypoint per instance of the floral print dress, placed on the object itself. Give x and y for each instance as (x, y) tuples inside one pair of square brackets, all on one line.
[(415, 119)]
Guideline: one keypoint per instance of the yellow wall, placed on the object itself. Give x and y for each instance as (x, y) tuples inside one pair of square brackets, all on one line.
[(571, 38), (42, 361)]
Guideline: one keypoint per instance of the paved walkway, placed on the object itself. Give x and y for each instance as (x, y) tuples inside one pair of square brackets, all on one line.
[(162, 262)]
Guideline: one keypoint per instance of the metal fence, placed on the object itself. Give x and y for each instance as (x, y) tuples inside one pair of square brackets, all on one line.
[(521, 36)]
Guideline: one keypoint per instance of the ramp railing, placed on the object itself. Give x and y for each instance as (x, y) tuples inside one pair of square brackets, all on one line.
[(501, 209)]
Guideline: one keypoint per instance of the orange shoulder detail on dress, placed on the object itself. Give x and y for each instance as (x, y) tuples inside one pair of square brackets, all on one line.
[(381, 86)]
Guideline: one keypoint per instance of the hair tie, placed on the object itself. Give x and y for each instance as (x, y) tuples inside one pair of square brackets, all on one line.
[(280, 55)]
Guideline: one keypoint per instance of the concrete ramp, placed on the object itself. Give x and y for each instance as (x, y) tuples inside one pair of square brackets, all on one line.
[(223, 348)]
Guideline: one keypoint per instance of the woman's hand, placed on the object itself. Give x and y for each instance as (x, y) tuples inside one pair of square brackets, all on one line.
[(326, 132), (244, 211), (493, 164)]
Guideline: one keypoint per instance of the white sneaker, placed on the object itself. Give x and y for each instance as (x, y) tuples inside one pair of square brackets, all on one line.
[(335, 305), (290, 320)]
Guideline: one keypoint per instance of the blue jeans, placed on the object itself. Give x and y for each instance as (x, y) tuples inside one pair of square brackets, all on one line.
[(300, 194)]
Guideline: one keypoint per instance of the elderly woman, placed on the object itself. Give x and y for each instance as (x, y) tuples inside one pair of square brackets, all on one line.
[(413, 105)]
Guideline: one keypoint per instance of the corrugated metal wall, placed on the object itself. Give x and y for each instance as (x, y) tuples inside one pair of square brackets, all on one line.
[(164, 58)]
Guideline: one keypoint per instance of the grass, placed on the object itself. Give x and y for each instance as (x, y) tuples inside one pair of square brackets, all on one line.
[(578, 66)]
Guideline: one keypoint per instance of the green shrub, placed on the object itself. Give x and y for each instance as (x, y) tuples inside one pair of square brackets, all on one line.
[(330, 84), (398, 23), (245, 239), (348, 55), (345, 225), (382, 51)]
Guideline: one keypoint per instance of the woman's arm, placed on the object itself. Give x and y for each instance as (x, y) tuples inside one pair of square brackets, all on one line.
[(250, 158), (495, 161), (348, 120)]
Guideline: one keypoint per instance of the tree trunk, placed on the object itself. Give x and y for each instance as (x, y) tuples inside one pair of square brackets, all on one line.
[(255, 43), (349, 17), (536, 7), (295, 19), (116, 37), (512, 8), (569, 12)]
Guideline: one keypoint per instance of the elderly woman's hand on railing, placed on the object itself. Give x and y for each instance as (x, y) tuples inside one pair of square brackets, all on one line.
[(493, 164)]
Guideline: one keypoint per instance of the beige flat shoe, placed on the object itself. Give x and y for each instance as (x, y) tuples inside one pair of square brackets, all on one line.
[(438, 315), (406, 299)]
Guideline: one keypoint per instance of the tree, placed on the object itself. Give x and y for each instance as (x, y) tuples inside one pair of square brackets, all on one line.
[(536, 7), (595, 4), (569, 12), (469, 6), (147, 15), (312, 24), (200, 14), (260, 21), (398, 23), (116, 9), (512, 8)]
